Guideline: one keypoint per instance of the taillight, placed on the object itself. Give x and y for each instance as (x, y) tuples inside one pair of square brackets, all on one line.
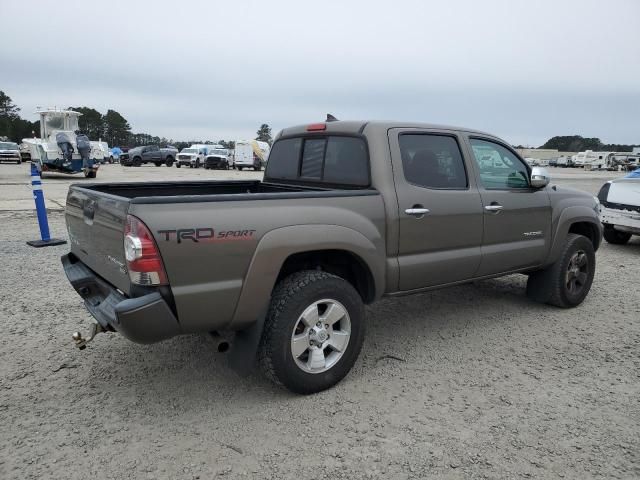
[(141, 252)]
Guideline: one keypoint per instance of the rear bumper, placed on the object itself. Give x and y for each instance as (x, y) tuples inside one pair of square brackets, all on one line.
[(144, 319)]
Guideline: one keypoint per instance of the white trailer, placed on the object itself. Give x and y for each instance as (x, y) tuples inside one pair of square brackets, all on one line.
[(591, 159)]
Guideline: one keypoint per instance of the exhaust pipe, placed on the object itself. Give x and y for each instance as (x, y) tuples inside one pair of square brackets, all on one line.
[(222, 344)]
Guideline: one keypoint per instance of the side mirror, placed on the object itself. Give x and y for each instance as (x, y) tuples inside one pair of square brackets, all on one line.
[(539, 177)]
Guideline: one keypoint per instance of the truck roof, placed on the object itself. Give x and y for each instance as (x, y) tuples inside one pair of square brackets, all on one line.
[(358, 126)]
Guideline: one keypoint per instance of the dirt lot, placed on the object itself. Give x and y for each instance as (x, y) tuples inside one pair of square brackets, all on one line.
[(469, 382)]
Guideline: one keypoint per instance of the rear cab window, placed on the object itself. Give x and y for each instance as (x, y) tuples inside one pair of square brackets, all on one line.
[(320, 160), (433, 161)]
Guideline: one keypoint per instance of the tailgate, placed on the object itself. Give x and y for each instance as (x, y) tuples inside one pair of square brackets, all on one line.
[(95, 223)]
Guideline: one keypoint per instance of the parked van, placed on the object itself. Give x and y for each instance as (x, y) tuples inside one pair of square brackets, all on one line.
[(250, 154)]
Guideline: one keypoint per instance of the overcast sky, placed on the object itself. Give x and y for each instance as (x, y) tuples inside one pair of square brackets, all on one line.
[(523, 70)]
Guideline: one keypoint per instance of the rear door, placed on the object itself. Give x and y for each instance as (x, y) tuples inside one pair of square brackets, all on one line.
[(440, 209), (95, 224), (517, 217)]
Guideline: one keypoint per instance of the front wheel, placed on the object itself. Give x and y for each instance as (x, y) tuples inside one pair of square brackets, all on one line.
[(614, 236), (157, 164), (566, 282), (313, 332), (169, 162), (178, 165)]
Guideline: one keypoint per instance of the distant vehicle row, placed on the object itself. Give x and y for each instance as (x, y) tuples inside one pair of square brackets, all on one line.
[(592, 160)]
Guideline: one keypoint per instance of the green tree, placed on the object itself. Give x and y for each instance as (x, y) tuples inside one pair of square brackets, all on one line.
[(264, 134), (8, 116), (116, 128), (573, 143), (91, 122)]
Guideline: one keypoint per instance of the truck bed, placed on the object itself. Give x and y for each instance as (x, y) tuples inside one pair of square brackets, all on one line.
[(183, 192)]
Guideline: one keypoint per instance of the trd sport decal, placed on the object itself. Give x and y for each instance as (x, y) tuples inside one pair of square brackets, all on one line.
[(205, 234)]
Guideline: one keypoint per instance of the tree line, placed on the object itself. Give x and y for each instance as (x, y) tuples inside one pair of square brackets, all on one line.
[(112, 127), (576, 143)]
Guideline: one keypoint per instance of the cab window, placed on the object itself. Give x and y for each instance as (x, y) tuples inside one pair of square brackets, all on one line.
[(499, 168), (432, 161)]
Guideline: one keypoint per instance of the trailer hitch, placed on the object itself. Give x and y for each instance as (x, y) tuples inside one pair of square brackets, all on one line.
[(81, 342)]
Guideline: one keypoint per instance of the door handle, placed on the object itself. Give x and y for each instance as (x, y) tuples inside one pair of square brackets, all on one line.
[(417, 211), (493, 208)]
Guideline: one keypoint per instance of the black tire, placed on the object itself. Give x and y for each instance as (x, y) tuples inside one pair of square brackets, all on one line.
[(291, 297), (240, 168), (226, 166), (190, 165), (169, 162), (178, 165), (137, 162), (561, 284), (157, 164), (614, 236), (255, 169), (90, 174), (18, 162)]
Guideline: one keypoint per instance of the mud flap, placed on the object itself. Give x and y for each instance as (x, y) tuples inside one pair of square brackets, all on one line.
[(242, 355)]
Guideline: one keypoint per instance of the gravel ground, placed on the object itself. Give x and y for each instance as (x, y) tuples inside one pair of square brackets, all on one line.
[(470, 382)]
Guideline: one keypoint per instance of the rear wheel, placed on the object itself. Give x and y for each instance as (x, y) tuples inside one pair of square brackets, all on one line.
[(178, 165), (157, 164), (566, 282), (313, 332), (614, 236)]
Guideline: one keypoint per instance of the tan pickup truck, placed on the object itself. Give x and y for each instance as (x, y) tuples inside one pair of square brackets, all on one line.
[(347, 213)]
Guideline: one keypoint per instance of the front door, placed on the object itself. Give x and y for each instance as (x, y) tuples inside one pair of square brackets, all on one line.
[(517, 217), (440, 211)]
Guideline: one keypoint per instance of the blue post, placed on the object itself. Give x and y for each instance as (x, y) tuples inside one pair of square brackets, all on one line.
[(41, 210)]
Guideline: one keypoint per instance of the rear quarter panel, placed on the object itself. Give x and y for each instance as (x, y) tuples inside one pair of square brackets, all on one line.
[(207, 276)]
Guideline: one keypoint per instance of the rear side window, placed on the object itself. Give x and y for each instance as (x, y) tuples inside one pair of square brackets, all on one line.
[(432, 161), (333, 160)]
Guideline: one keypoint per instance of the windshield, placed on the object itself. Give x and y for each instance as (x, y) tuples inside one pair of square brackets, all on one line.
[(8, 146), (218, 152), (54, 122), (190, 150)]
